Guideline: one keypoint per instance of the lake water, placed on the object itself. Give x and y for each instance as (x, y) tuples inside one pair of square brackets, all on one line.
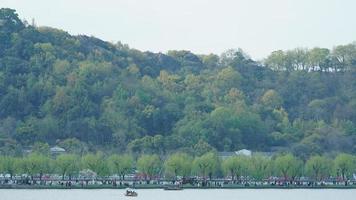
[(187, 194)]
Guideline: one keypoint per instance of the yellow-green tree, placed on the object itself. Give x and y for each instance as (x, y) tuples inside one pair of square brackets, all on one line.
[(345, 165), (36, 164), (260, 167), (178, 164), (121, 164), (235, 166), (67, 164), (9, 165), (318, 167), (288, 166), (149, 165), (206, 165), (97, 163)]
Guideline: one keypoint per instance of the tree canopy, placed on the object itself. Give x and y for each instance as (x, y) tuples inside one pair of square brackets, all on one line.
[(86, 95)]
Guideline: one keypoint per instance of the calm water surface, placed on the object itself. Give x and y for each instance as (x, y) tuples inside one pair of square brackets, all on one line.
[(158, 194)]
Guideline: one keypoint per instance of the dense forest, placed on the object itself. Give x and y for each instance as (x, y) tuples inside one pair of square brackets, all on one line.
[(85, 95)]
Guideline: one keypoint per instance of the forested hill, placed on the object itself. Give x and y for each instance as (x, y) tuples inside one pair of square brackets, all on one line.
[(85, 94)]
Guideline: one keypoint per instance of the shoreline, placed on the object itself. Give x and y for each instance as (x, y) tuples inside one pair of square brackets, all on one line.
[(39, 187)]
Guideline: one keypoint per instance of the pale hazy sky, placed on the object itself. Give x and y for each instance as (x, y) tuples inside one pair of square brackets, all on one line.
[(202, 26)]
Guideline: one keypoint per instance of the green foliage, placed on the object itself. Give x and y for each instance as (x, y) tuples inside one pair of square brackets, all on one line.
[(121, 164), (318, 167), (67, 164), (345, 165), (9, 165), (288, 166), (147, 144), (74, 146), (236, 166), (206, 165), (149, 165), (178, 164), (260, 167), (41, 148), (96, 163), (84, 94), (271, 99), (202, 147), (36, 164), (256, 167)]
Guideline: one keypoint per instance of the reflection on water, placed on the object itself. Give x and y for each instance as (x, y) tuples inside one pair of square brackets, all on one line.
[(187, 194)]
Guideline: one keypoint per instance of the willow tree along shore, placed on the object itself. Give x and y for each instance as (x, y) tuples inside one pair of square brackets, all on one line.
[(284, 168)]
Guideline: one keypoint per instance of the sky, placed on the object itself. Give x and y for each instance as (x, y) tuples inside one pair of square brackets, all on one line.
[(201, 26)]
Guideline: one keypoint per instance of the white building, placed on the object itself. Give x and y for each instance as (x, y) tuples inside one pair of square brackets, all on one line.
[(57, 150), (244, 152)]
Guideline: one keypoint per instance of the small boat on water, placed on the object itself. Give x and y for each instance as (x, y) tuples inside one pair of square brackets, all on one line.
[(173, 187), (131, 193)]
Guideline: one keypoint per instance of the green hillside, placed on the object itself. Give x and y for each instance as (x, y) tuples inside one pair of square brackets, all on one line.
[(85, 94)]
